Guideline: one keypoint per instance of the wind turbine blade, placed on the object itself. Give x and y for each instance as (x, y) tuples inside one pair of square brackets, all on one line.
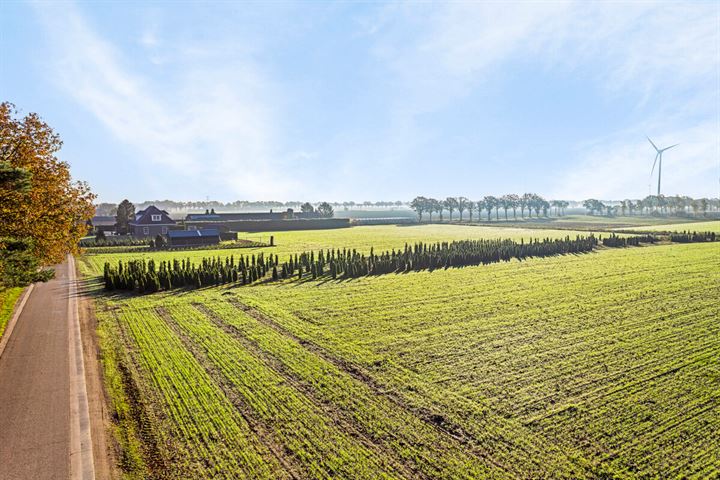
[(651, 143), (655, 162), (671, 146)]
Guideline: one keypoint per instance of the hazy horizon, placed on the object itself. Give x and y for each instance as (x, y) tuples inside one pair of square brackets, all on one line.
[(372, 101)]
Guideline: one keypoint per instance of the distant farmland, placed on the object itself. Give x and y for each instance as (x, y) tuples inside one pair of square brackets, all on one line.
[(601, 365)]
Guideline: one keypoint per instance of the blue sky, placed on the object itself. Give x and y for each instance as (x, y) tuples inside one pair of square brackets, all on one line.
[(370, 101)]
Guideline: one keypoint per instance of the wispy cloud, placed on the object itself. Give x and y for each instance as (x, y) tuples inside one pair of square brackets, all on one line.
[(226, 106), (213, 121), (666, 55)]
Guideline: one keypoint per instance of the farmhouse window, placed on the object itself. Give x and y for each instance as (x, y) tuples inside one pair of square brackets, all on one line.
[(164, 230), (146, 230), (156, 218)]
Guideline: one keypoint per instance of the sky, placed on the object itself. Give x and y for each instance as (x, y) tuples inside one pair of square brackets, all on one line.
[(360, 101)]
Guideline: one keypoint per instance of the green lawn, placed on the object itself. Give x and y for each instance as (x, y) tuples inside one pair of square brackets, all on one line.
[(603, 365)]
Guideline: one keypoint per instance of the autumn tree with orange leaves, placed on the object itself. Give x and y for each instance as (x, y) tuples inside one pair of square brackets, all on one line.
[(48, 209)]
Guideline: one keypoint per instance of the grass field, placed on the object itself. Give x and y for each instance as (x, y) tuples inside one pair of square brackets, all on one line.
[(8, 298), (707, 226), (604, 365), (360, 238), (591, 222)]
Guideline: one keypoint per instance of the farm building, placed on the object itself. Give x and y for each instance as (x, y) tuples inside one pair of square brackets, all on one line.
[(103, 223), (289, 214), (263, 221), (191, 238), (151, 222)]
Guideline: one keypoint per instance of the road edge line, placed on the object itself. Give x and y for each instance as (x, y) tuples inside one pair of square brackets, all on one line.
[(81, 447), (13, 320)]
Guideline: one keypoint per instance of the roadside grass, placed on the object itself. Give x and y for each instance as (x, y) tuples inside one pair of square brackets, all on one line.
[(8, 299), (602, 365)]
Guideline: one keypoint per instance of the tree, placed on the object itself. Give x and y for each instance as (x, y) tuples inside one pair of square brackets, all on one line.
[(53, 213), (125, 214), (556, 204), (106, 209), (526, 201), (704, 206), (593, 206), (160, 242), (505, 204), (480, 207), (420, 205), (462, 205), (513, 202), (433, 206), (545, 205), (450, 205), (563, 205), (307, 208), (631, 207), (490, 202), (471, 209), (325, 210), (18, 264), (437, 206)]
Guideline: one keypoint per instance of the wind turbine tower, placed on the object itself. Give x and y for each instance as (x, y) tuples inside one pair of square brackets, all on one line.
[(658, 156)]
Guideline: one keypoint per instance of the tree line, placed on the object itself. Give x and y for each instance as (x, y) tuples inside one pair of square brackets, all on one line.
[(336, 263), (110, 209), (43, 212), (528, 202), (678, 205)]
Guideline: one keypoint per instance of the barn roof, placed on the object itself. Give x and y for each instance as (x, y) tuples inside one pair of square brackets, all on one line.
[(206, 232)]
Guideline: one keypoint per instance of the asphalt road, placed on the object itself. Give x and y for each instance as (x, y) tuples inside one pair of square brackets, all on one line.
[(40, 402)]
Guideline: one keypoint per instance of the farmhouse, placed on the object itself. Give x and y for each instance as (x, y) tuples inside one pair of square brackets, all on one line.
[(151, 222), (191, 238)]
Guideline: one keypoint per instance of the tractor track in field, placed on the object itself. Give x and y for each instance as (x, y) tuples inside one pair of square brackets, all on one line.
[(436, 421), (266, 437), (353, 428)]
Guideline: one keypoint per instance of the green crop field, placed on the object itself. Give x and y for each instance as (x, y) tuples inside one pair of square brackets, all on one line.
[(707, 226), (361, 238), (599, 365)]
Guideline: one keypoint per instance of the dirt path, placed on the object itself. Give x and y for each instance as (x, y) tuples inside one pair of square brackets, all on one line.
[(44, 424), (104, 455)]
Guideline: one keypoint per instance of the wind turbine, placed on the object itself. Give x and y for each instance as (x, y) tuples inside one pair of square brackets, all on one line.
[(658, 155)]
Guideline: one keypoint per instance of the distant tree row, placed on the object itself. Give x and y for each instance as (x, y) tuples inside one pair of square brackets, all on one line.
[(528, 202), (654, 205), (111, 209)]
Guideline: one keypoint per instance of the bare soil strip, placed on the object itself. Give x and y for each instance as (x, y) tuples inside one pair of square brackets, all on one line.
[(81, 444), (105, 455)]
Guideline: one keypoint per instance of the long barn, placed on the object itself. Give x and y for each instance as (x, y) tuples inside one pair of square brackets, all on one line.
[(185, 238)]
